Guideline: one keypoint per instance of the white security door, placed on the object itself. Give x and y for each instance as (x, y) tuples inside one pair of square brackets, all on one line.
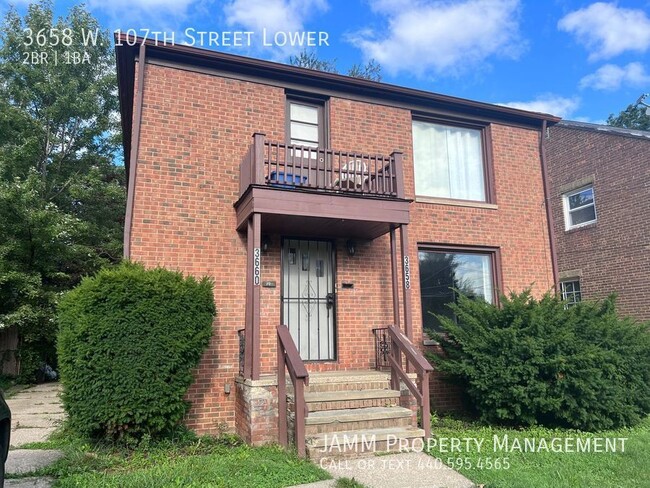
[(308, 297)]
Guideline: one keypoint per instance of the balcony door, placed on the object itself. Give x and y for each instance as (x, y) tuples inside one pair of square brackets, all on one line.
[(308, 299)]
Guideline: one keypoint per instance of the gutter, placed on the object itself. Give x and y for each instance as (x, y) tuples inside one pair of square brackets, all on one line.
[(133, 157), (547, 204)]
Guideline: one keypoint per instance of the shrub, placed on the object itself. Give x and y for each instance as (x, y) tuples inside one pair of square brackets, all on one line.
[(128, 341), (535, 362)]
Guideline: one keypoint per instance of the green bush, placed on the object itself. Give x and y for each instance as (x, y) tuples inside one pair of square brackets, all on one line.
[(534, 362), (128, 341)]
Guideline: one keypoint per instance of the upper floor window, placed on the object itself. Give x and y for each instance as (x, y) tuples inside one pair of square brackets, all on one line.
[(579, 207), (449, 161), (305, 123)]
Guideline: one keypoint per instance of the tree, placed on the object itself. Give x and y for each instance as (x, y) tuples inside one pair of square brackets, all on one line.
[(633, 117), (61, 196), (308, 59)]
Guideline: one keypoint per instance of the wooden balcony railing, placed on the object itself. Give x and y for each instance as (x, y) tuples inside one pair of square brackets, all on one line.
[(291, 166), (401, 344), (289, 359)]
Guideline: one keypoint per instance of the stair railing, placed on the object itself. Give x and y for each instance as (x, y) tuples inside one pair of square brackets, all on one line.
[(289, 359), (402, 344)]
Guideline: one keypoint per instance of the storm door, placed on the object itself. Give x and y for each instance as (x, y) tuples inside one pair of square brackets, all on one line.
[(308, 297)]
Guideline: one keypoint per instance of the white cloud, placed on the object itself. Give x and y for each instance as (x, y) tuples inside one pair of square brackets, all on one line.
[(441, 37), (272, 15), (548, 104), (607, 30), (611, 77)]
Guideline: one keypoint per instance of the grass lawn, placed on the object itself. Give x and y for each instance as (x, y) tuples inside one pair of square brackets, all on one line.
[(190, 462), (629, 469)]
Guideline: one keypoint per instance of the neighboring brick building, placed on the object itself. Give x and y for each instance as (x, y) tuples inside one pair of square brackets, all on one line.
[(599, 180), (296, 190)]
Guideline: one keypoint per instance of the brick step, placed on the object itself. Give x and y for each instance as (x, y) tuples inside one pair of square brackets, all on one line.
[(330, 421), (339, 400), (348, 380), (357, 443)]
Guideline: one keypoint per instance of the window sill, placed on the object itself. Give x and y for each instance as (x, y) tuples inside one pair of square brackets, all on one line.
[(456, 203), (590, 225)]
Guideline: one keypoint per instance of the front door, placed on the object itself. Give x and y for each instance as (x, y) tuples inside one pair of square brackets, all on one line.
[(308, 297)]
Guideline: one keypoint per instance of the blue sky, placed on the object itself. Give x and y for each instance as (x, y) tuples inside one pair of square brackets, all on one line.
[(581, 60)]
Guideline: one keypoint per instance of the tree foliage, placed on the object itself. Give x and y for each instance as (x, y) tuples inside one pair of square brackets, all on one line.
[(61, 196), (128, 342), (633, 117), (309, 59), (536, 362)]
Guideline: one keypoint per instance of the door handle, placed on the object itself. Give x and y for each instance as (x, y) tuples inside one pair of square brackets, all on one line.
[(329, 300)]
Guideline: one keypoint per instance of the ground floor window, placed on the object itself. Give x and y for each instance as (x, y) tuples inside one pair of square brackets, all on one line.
[(444, 272), (571, 292)]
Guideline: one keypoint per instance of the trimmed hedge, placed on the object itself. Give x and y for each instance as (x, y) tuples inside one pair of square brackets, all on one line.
[(128, 341), (535, 362)]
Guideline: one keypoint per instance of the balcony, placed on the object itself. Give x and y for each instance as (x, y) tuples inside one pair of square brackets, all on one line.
[(307, 191)]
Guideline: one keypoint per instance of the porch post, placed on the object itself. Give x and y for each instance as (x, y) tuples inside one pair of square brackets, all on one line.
[(253, 283), (406, 282), (393, 270)]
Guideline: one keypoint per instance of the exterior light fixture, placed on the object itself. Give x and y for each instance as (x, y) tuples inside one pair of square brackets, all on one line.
[(352, 247), (266, 243)]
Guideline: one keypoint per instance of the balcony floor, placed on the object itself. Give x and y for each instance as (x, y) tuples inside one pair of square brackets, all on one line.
[(321, 214)]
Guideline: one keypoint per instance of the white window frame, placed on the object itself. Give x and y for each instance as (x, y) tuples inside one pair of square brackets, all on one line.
[(572, 294), (568, 210)]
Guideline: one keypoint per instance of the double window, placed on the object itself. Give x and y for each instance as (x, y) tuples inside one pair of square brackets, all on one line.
[(444, 273), (450, 161), (579, 207)]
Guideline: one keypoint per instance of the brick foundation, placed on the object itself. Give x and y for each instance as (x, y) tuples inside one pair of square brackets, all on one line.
[(256, 417)]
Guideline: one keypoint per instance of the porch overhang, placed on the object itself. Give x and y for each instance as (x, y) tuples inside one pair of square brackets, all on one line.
[(321, 214)]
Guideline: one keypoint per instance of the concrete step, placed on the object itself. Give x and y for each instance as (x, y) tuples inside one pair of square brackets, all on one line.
[(356, 443), (339, 400), (330, 421)]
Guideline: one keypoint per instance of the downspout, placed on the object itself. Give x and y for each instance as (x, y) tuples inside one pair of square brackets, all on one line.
[(547, 204), (133, 157)]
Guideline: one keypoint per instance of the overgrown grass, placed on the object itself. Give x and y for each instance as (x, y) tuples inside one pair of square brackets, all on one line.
[(628, 469), (348, 483), (185, 461)]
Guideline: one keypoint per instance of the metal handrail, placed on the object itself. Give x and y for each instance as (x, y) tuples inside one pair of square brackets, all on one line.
[(402, 344), (289, 359)]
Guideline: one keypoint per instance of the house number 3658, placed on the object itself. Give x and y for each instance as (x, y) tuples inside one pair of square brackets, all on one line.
[(257, 266), (407, 273)]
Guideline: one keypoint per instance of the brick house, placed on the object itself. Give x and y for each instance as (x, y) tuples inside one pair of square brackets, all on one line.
[(598, 179), (308, 196)]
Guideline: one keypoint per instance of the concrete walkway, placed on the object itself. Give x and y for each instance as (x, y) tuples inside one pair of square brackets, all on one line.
[(35, 413), (407, 470)]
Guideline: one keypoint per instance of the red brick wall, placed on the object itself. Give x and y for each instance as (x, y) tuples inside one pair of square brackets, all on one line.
[(196, 129), (611, 255)]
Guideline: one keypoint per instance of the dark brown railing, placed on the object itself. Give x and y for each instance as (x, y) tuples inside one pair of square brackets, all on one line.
[(289, 359), (292, 166), (382, 348), (401, 344)]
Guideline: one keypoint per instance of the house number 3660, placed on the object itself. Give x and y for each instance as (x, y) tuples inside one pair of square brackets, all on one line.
[(407, 273), (257, 266)]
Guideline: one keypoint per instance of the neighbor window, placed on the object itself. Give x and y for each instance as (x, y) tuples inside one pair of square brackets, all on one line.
[(579, 207), (443, 274), (570, 292), (448, 161)]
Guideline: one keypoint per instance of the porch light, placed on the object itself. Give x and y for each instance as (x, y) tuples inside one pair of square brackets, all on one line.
[(266, 243), (352, 247)]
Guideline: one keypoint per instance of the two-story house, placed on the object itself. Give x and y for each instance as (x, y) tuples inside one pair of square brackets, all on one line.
[(599, 179), (325, 208)]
